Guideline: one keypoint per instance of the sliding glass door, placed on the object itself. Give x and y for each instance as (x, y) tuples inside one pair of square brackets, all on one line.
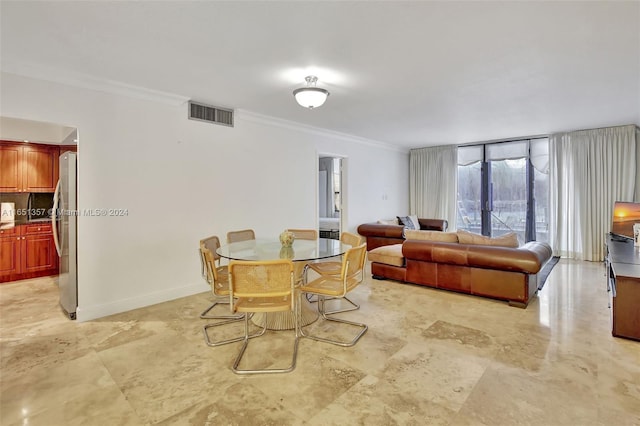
[(503, 188)]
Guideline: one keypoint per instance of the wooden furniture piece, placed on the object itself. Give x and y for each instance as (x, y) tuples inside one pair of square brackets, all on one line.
[(243, 235), (302, 234), (623, 283), (27, 251), (217, 276), (262, 286), (336, 286), (28, 167), (335, 268)]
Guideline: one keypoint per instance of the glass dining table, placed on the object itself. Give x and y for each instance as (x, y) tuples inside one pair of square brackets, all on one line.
[(301, 252)]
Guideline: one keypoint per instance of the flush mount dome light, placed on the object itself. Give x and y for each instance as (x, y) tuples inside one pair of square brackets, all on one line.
[(310, 96)]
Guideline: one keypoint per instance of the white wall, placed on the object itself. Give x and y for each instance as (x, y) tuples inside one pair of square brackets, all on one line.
[(182, 180)]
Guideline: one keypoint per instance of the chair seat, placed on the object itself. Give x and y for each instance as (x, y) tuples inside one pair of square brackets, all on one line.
[(329, 286), (326, 268), (336, 286), (263, 304)]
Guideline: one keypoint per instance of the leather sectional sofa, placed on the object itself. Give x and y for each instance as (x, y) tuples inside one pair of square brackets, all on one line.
[(505, 273)]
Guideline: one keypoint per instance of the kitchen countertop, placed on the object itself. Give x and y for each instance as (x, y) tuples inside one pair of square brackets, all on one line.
[(22, 221)]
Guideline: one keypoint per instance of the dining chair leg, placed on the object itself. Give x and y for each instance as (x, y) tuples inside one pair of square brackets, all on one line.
[(354, 306), (204, 315), (215, 343), (363, 327), (245, 344)]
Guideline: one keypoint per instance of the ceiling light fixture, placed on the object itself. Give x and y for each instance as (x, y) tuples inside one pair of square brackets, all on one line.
[(310, 96)]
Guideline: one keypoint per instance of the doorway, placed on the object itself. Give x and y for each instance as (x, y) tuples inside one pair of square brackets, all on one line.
[(39, 253), (331, 196)]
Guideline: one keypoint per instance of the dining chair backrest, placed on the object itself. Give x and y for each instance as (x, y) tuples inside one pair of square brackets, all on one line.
[(217, 276), (243, 235), (304, 234), (353, 266), (261, 279), (352, 239), (212, 243)]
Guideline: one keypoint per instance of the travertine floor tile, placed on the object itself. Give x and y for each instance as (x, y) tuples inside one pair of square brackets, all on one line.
[(430, 357)]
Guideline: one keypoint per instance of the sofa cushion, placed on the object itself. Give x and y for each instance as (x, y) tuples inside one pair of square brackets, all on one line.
[(443, 237), (393, 221), (506, 240), (389, 255)]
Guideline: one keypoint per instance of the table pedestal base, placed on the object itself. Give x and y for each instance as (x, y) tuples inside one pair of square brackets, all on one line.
[(284, 320)]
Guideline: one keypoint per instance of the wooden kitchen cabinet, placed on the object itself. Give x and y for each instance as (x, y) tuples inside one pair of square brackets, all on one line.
[(40, 168), (28, 167), (27, 251), (10, 167), (9, 252), (38, 249)]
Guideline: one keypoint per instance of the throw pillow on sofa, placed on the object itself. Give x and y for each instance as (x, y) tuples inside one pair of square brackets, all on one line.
[(442, 237), (506, 240), (409, 222)]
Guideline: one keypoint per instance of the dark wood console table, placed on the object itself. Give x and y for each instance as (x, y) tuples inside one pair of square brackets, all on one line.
[(623, 275)]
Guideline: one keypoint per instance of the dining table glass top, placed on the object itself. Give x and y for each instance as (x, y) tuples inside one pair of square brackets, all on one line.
[(271, 249)]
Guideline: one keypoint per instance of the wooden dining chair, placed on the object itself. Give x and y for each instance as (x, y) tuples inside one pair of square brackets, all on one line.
[(329, 268), (217, 276), (302, 234), (243, 235), (353, 240), (262, 286), (337, 286)]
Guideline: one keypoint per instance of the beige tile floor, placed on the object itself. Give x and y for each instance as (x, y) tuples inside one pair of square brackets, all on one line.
[(430, 357)]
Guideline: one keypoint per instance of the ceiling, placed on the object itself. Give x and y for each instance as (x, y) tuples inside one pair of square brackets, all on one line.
[(15, 129), (411, 74)]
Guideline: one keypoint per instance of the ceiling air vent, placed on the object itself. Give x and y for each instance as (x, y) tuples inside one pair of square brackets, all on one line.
[(210, 114)]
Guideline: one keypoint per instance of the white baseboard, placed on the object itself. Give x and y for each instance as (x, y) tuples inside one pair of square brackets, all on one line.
[(87, 313)]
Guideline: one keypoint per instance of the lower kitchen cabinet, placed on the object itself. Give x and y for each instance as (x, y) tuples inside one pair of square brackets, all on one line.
[(9, 252), (27, 251)]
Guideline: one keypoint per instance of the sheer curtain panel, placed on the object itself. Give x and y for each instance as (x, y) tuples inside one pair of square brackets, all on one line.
[(433, 183), (589, 171)]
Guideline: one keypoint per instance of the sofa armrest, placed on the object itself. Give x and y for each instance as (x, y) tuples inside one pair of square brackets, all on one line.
[(433, 224), (397, 231), (380, 230)]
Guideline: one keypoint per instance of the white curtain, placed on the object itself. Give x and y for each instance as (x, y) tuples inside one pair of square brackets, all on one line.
[(433, 183), (589, 171)]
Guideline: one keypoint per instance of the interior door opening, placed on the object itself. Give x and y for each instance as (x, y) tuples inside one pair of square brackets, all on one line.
[(330, 197)]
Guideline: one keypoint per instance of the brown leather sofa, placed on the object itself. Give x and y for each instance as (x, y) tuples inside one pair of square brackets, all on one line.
[(503, 273), (378, 234)]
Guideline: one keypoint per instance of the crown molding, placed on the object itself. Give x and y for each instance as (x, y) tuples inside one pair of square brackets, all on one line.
[(85, 81), (318, 131)]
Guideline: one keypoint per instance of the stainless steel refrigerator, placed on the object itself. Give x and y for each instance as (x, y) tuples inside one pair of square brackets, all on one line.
[(64, 220)]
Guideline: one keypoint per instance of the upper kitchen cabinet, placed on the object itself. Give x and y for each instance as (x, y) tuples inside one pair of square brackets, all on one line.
[(10, 167), (28, 167), (40, 168)]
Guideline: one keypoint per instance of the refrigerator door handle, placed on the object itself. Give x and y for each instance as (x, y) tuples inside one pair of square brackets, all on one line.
[(54, 219)]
